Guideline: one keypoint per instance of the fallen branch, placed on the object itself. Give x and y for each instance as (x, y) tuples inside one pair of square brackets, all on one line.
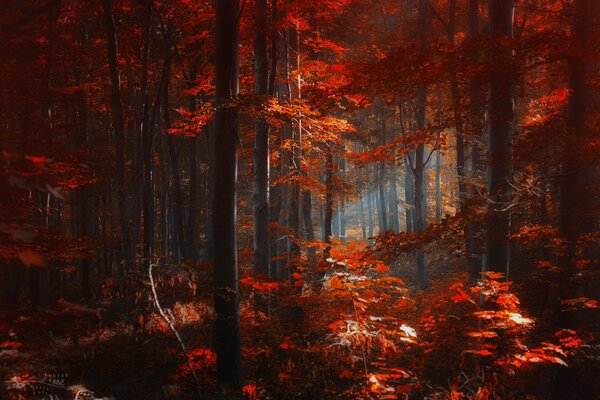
[(171, 324)]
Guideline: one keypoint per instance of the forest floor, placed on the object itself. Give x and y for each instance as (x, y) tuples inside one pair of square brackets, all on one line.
[(337, 335)]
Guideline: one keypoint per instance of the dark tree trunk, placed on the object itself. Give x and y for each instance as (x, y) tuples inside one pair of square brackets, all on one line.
[(579, 206), (295, 199), (117, 125), (420, 161), (261, 144), (409, 189), (501, 113), (473, 242), (275, 193), (193, 223), (578, 169), (178, 225), (226, 299), (147, 140), (458, 122), (578, 184), (438, 185)]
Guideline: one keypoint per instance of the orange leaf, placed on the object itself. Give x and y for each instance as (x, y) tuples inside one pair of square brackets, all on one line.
[(334, 325), (336, 283), (31, 259), (382, 268)]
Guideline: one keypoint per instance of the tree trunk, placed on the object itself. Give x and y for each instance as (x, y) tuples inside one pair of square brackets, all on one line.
[(226, 298), (342, 202), (275, 193), (473, 243), (458, 122), (178, 225), (261, 144), (294, 246), (501, 113), (193, 223), (117, 123), (579, 206), (371, 210), (409, 189), (147, 140), (394, 223), (438, 185), (382, 207), (409, 195), (328, 196)]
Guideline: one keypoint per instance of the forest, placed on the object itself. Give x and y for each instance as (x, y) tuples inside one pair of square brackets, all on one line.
[(300, 199)]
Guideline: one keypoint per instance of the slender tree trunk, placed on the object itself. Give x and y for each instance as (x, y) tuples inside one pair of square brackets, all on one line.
[(328, 196), (473, 243), (209, 191), (418, 169), (394, 222), (226, 299), (438, 185), (147, 141), (261, 144), (294, 246), (342, 202), (275, 193), (178, 217), (117, 125), (193, 223), (409, 195), (501, 114), (371, 211), (365, 193), (285, 159), (458, 122), (382, 207), (409, 190)]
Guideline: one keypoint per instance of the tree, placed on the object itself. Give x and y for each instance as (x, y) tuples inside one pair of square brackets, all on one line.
[(261, 144), (226, 297), (501, 114), (420, 160), (117, 125)]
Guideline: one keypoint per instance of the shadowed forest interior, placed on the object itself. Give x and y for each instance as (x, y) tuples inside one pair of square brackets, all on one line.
[(300, 199)]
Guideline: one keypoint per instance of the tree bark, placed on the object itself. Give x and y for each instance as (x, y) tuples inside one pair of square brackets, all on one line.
[(501, 114), (261, 144), (328, 196), (226, 298), (178, 217), (117, 123), (381, 172), (438, 185), (473, 242), (193, 223)]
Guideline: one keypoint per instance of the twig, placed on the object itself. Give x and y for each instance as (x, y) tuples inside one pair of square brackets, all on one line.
[(169, 322)]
